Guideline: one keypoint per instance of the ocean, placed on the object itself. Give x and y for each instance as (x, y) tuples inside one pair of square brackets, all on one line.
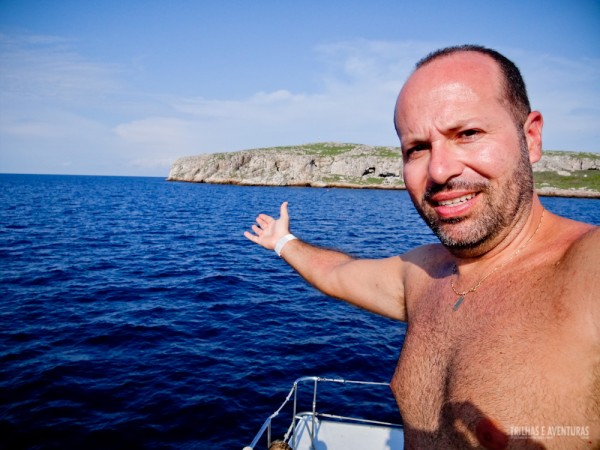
[(135, 315)]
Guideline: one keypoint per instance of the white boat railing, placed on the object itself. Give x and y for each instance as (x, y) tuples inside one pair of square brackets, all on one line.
[(290, 436)]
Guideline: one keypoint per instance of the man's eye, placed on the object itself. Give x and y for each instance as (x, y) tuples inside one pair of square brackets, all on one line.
[(469, 133), (416, 148)]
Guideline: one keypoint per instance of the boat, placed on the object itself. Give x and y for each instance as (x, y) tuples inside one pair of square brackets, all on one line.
[(316, 430)]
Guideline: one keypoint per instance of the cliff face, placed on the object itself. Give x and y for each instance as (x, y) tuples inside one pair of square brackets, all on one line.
[(310, 165), (562, 162), (328, 164)]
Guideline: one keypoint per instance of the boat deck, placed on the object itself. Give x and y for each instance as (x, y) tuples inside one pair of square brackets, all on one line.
[(315, 430), (334, 435)]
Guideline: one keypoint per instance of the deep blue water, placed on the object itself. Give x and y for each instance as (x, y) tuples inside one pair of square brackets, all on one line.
[(135, 315)]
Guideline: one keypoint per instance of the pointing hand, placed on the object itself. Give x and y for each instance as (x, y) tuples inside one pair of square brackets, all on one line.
[(268, 230)]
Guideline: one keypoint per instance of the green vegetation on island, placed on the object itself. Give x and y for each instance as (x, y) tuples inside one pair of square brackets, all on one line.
[(579, 179), (334, 164)]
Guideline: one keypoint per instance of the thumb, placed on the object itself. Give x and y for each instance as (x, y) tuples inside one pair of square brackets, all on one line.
[(283, 213)]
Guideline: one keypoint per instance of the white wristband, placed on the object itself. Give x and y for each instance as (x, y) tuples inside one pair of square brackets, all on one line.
[(281, 243)]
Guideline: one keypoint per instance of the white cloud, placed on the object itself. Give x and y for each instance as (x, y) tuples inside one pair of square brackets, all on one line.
[(567, 92), (155, 131), (60, 109), (359, 82), (46, 67)]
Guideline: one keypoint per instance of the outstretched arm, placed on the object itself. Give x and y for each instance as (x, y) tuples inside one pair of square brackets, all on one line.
[(375, 285)]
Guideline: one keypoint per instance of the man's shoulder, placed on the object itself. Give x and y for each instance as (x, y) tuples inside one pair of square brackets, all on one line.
[(581, 272), (591, 236), (584, 246), (427, 251), (578, 266), (573, 235), (429, 257)]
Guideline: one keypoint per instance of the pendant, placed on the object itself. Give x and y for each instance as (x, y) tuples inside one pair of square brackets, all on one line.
[(459, 300)]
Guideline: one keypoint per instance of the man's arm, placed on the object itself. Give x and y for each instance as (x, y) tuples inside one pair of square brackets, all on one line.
[(375, 285)]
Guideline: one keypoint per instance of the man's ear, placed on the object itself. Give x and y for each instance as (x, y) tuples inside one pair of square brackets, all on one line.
[(533, 135)]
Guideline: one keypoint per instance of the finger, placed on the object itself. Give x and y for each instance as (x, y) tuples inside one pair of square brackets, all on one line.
[(257, 230), (265, 218), (283, 212), (262, 224), (251, 237)]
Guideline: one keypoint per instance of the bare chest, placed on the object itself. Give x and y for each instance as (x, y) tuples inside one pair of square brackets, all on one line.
[(507, 360)]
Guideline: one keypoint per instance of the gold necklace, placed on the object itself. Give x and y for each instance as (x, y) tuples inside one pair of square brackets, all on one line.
[(462, 295)]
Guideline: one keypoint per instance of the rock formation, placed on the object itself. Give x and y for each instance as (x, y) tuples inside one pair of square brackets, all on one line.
[(329, 165)]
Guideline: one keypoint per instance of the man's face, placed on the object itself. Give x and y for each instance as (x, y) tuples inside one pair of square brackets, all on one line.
[(466, 163)]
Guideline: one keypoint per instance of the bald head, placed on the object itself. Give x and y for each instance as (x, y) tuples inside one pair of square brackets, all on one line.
[(512, 89)]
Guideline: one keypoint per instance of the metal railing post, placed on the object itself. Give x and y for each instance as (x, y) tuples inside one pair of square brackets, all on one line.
[(314, 414), (294, 414)]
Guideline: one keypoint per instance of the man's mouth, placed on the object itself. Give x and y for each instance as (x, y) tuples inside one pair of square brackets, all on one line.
[(456, 201)]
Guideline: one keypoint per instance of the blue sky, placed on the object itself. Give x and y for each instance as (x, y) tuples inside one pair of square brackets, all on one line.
[(118, 87)]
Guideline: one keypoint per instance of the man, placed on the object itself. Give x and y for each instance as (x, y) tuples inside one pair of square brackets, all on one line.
[(503, 341)]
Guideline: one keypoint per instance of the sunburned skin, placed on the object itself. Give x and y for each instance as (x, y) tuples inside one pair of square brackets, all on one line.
[(475, 377)]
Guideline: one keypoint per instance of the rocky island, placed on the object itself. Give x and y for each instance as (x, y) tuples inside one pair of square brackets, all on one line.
[(567, 174)]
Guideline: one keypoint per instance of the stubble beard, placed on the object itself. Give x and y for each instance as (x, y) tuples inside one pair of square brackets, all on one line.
[(501, 205)]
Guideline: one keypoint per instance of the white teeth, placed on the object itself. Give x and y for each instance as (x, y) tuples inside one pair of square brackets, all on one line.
[(457, 201)]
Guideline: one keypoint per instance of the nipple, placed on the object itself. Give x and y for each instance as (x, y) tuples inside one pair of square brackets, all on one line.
[(490, 436)]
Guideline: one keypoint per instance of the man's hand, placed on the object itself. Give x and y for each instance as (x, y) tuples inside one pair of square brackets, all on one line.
[(268, 230)]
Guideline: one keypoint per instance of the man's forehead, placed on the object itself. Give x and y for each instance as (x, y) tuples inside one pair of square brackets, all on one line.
[(464, 67), (464, 78), (454, 75)]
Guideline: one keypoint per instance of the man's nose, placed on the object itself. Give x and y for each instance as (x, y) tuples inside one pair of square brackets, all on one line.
[(444, 163)]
